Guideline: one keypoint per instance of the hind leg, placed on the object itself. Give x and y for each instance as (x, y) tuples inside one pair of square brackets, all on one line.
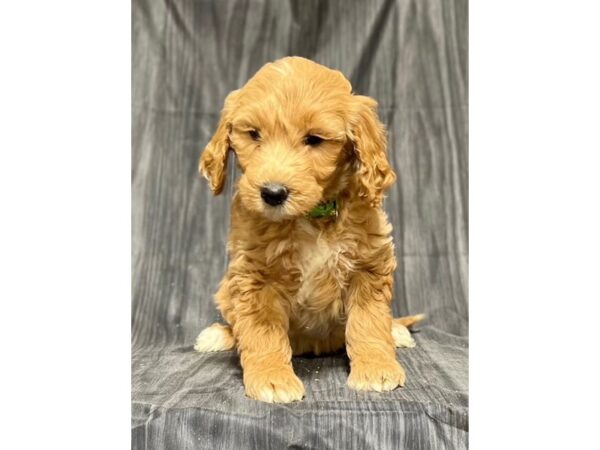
[(218, 338), (400, 332), (215, 338), (401, 335)]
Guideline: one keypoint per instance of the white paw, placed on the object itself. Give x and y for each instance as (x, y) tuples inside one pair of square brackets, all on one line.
[(402, 337), (216, 338)]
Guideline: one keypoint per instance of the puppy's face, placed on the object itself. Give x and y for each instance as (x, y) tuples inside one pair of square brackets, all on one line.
[(297, 132), (289, 133)]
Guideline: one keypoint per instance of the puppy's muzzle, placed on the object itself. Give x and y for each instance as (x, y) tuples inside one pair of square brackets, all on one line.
[(273, 194)]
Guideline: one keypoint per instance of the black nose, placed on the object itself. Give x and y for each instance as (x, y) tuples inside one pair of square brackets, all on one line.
[(273, 194)]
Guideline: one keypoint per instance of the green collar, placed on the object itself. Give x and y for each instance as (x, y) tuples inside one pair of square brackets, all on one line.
[(324, 209)]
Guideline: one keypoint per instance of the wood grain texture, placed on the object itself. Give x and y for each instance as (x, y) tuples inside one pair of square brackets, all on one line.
[(412, 57)]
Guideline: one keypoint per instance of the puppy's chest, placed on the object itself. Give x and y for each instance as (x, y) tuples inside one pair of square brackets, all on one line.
[(324, 267)]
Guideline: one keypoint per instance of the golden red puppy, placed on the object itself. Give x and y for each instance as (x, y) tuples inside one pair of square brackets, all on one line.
[(311, 253)]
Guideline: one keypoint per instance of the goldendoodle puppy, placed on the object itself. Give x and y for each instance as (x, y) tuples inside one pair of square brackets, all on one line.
[(311, 253)]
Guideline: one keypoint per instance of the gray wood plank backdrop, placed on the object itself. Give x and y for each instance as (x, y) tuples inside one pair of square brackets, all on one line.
[(412, 57)]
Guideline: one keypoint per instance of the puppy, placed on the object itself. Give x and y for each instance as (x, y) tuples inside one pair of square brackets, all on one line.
[(311, 253)]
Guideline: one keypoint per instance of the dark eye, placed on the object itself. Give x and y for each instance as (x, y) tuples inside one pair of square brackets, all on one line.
[(254, 134), (312, 140)]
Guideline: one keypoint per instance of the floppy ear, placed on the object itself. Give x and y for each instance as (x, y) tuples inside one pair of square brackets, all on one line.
[(367, 134), (213, 161)]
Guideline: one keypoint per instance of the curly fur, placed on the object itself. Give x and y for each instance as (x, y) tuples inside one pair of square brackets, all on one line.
[(294, 284)]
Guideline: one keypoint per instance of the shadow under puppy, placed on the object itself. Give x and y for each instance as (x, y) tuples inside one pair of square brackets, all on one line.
[(311, 253)]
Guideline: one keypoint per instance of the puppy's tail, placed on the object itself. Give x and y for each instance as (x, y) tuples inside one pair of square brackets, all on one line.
[(408, 321), (215, 338)]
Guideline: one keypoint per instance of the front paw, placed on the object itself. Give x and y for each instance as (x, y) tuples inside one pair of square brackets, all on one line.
[(274, 385), (376, 375)]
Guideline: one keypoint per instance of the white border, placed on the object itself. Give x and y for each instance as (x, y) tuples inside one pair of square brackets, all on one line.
[(534, 208), (65, 232)]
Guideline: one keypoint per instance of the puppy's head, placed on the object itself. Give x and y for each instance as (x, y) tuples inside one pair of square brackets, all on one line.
[(299, 135)]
